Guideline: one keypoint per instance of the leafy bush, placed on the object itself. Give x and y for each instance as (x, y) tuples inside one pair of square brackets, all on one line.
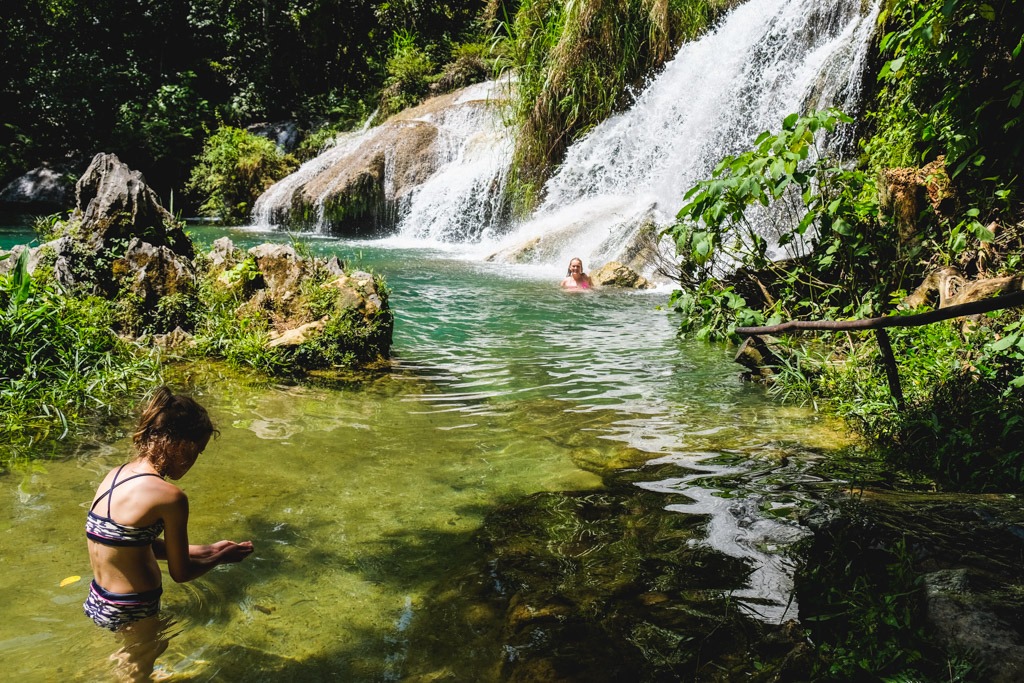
[(829, 248), (409, 70), (234, 169)]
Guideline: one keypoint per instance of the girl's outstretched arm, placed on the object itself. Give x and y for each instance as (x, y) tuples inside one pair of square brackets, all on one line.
[(186, 562)]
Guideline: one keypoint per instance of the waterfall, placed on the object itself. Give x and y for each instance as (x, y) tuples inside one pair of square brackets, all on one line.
[(449, 188), (272, 206), (766, 59), (465, 197)]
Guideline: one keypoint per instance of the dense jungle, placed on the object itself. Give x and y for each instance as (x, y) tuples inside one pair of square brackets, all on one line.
[(869, 463)]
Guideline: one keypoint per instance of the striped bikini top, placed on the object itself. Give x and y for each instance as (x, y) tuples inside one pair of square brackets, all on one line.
[(105, 531)]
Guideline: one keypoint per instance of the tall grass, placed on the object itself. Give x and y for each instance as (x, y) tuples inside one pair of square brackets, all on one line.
[(61, 366)]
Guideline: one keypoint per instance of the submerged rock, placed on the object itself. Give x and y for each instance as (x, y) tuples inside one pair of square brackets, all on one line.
[(602, 586), (885, 567)]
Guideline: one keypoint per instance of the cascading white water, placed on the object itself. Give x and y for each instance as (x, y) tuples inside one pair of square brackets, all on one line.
[(464, 168), (271, 205), (767, 59), (465, 196)]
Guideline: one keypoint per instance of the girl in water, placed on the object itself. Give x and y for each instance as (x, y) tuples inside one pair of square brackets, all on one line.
[(575, 278), (135, 504)]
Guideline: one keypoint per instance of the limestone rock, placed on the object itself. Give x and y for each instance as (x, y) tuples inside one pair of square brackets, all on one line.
[(904, 193), (281, 267), (151, 272), (297, 335), (358, 185), (961, 622), (113, 202), (46, 186), (173, 340), (284, 134), (614, 274), (224, 253)]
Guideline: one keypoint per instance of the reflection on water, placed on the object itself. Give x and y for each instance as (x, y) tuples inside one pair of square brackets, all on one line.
[(364, 495)]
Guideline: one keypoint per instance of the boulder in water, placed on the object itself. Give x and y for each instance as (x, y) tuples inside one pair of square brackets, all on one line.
[(614, 274)]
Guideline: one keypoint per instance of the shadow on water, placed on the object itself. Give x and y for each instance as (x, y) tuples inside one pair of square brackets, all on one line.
[(592, 586)]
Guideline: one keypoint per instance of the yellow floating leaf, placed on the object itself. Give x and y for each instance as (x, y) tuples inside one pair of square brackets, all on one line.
[(70, 580)]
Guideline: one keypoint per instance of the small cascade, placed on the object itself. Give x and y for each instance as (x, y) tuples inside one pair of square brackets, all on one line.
[(435, 172), (273, 206), (465, 197), (767, 59)]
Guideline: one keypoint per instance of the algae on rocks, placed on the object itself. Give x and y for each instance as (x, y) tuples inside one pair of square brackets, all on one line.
[(316, 314)]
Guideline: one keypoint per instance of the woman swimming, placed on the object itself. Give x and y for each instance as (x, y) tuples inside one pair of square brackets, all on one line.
[(575, 278), (135, 504)]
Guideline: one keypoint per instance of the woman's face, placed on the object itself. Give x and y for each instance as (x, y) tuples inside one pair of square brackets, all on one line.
[(575, 267)]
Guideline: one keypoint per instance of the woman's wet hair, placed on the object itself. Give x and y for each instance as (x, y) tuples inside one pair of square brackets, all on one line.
[(173, 417)]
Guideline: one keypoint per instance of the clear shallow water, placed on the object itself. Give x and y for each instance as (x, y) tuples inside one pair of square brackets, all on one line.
[(364, 495)]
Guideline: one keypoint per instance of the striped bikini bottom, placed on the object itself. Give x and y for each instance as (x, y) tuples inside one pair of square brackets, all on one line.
[(115, 610)]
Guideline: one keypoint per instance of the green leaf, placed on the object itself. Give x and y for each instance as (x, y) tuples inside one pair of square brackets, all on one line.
[(842, 227), (1006, 342), (982, 232), (987, 12)]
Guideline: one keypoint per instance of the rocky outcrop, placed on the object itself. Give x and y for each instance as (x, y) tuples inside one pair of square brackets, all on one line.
[(319, 316), (905, 192), (48, 188), (944, 565), (614, 274), (285, 134), (119, 241), (113, 202), (358, 186)]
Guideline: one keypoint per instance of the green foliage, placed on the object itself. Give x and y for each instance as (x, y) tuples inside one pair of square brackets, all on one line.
[(954, 84), (49, 227), (167, 126), (963, 423), (824, 215), (62, 366), (234, 170), (863, 608), (226, 332), (143, 80), (408, 69), (712, 311)]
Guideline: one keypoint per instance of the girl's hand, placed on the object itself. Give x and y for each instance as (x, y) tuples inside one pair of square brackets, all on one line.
[(223, 552)]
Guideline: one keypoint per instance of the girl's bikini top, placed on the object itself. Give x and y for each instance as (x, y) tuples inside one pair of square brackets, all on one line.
[(105, 531)]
